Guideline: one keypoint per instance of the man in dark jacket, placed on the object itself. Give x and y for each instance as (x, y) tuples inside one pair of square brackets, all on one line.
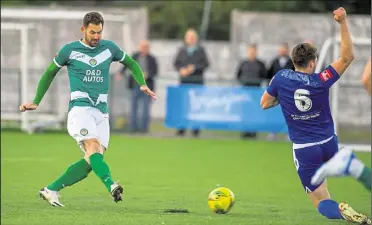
[(149, 66), (191, 62), (251, 73), (282, 61)]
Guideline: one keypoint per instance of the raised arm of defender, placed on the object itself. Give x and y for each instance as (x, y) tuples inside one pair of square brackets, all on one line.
[(347, 55)]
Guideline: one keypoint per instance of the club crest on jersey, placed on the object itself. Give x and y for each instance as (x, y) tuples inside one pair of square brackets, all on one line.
[(84, 132), (325, 75), (92, 62)]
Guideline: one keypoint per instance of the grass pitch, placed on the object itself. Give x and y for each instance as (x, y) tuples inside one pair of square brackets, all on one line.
[(160, 174)]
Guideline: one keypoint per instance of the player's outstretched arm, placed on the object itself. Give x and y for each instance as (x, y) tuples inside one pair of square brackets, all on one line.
[(366, 78), (137, 75), (42, 87), (347, 55)]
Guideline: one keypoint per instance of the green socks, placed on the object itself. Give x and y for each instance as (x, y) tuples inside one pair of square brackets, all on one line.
[(365, 178), (101, 169), (80, 170), (75, 173)]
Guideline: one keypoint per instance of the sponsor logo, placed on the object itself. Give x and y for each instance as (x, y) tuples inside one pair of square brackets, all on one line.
[(93, 76), (325, 75)]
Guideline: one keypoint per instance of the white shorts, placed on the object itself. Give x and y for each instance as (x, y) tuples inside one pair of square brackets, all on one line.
[(85, 123)]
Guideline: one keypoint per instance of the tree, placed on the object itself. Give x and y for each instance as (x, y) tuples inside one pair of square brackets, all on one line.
[(170, 19)]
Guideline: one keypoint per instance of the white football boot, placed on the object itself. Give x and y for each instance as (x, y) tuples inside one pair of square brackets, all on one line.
[(51, 197), (116, 191)]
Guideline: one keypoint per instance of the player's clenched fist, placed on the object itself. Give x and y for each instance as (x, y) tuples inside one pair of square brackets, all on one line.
[(339, 14), (27, 106)]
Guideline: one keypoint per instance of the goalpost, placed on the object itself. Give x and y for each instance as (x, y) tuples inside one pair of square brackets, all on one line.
[(23, 30), (18, 20), (361, 49)]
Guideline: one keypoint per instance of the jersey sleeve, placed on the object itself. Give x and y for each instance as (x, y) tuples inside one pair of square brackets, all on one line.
[(272, 89), (118, 53), (328, 76), (62, 57)]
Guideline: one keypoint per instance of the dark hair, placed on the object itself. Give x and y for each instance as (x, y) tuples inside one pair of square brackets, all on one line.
[(302, 54), (92, 17), (285, 45), (253, 45)]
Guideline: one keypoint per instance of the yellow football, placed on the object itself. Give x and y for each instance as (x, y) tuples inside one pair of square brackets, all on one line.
[(221, 200)]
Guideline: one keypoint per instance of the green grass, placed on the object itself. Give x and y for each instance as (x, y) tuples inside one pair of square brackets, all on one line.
[(161, 174)]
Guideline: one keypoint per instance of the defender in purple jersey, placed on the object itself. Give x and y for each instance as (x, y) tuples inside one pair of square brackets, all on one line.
[(304, 98), (345, 163)]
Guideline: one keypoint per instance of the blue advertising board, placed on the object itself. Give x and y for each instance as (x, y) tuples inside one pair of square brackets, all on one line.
[(221, 108)]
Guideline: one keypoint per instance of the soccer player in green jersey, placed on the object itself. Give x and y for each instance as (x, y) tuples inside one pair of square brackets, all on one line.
[(88, 62)]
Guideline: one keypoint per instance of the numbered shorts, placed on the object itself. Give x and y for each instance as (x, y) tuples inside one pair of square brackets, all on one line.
[(308, 159), (85, 123)]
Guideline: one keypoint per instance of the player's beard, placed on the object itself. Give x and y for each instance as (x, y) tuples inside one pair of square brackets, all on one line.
[(91, 42)]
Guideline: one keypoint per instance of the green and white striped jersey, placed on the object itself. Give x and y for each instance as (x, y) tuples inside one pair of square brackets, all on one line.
[(89, 71)]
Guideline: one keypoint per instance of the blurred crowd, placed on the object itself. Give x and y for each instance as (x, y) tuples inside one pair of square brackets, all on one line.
[(191, 62)]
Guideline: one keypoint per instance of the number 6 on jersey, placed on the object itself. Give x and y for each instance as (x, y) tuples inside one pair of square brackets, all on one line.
[(302, 101)]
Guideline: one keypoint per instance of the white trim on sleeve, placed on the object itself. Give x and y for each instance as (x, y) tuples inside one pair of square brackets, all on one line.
[(54, 60), (122, 58)]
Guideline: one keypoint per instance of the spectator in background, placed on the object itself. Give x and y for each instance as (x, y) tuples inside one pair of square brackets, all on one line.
[(191, 62), (282, 61), (251, 73), (139, 100)]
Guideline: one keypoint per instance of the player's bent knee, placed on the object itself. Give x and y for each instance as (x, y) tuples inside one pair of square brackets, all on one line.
[(103, 149), (92, 146), (86, 157)]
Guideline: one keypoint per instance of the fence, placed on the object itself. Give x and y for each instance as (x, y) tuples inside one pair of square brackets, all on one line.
[(268, 30), (49, 29)]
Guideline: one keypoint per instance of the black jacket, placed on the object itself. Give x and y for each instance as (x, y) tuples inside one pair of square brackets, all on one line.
[(251, 73), (275, 67), (198, 58), (152, 67)]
